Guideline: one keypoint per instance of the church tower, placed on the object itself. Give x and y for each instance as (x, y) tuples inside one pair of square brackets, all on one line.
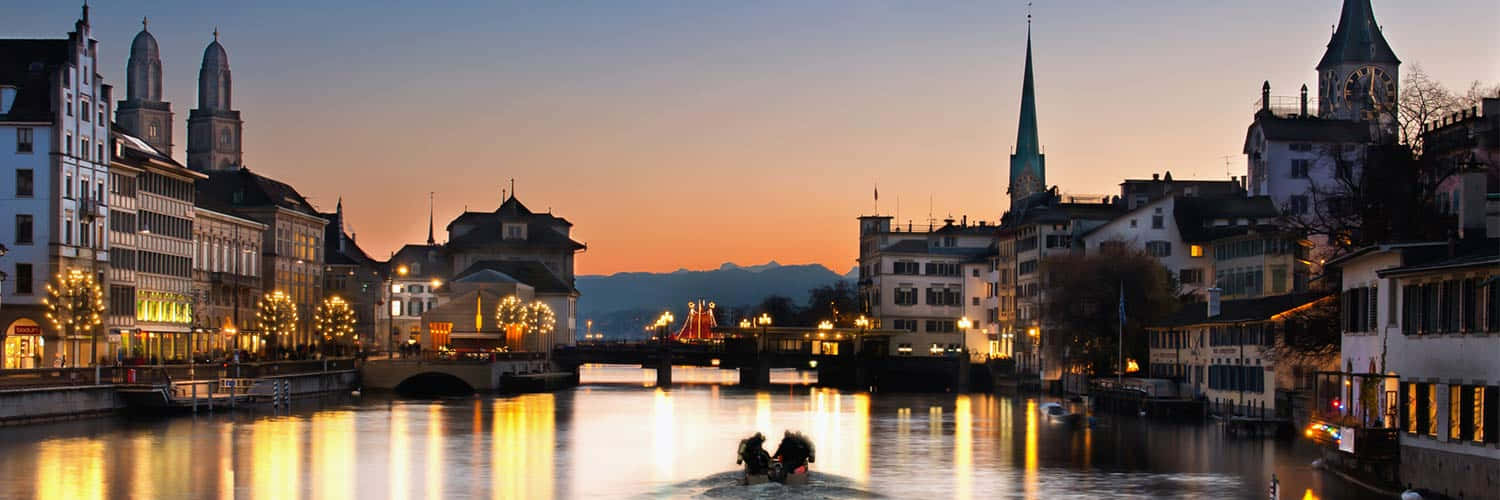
[(1028, 166), (214, 128), (143, 113), (1357, 77)]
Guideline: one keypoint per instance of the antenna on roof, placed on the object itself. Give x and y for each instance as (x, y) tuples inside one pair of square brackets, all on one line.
[(1227, 171)]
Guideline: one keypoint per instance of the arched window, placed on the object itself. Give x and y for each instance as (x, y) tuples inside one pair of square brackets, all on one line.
[(225, 137)]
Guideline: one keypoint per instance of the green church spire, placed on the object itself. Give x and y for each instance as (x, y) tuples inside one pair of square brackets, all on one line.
[(1028, 170)]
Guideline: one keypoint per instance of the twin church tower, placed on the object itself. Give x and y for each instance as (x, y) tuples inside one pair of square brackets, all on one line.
[(213, 128)]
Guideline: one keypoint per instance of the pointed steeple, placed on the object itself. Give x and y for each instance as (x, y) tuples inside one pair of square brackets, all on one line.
[(1028, 168), (1358, 38), (430, 240)]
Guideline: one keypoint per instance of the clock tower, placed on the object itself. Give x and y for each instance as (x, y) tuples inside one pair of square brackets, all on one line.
[(1357, 77), (1028, 166)]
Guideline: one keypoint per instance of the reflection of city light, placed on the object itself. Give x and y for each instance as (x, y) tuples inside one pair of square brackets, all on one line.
[(763, 413), (662, 436), (71, 469), (277, 448), (963, 442), (521, 453), (1030, 476), (400, 453), (333, 454), (432, 476), (860, 467)]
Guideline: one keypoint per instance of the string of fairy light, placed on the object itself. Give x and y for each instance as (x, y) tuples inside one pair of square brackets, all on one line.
[(277, 315), (74, 303), (536, 317), (335, 319)]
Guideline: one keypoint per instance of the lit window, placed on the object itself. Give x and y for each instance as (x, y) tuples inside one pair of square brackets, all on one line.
[(1195, 250), (395, 308)]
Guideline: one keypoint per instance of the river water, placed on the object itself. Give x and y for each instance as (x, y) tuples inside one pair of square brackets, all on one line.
[(617, 437)]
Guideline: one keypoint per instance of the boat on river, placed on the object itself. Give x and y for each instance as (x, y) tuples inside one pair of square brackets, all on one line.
[(1057, 413)]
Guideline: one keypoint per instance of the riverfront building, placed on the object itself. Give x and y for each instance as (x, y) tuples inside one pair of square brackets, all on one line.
[(152, 297), (350, 274), (1225, 352), (533, 249), (226, 280), (54, 162)]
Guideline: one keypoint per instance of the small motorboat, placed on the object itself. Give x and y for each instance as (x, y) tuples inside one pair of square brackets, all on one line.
[(788, 466), (1057, 413)]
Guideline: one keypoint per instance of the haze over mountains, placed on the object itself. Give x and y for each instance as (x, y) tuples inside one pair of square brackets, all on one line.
[(621, 304)]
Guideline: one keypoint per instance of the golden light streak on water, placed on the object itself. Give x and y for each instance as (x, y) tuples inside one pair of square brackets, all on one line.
[(432, 474), (333, 455), (1007, 432), (70, 469), (903, 433), (276, 447), (1030, 473), (763, 413), (935, 421), (663, 435), (860, 439), (226, 461), (963, 447), (142, 458), (400, 455)]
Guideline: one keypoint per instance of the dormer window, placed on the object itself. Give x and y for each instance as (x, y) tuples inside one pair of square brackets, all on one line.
[(514, 231)]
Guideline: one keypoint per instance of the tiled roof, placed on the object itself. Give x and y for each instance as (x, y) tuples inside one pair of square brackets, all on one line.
[(1309, 130), (29, 65), (529, 272), (1194, 215), (226, 191)]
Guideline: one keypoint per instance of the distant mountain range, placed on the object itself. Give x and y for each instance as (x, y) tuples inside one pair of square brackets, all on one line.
[(621, 303)]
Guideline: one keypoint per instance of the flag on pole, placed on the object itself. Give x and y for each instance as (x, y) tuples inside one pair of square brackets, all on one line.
[(877, 192)]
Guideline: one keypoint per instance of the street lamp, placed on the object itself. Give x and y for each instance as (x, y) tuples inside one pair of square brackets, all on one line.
[(661, 325)]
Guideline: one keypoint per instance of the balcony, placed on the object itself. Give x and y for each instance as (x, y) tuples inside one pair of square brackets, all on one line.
[(1287, 106)]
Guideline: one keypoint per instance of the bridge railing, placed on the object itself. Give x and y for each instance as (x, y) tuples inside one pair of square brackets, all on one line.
[(460, 357)]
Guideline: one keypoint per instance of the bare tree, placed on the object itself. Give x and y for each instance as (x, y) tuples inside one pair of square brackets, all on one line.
[(1424, 100)]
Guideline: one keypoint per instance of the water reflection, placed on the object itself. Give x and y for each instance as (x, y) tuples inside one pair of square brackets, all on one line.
[(621, 440)]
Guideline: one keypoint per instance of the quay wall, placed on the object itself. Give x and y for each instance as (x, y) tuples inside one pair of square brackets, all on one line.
[(20, 406)]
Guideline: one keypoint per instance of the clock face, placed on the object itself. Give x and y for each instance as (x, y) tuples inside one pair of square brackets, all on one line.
[(1025, 184), (1370, 88)]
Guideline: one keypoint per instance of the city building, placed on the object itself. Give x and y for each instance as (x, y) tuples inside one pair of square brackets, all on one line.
[(227, 280), (350, 274), (1225, 353), (1230, 242), (291, 258), (913, 282), (54, 162), (535, 249), (1421, 325), (1137, 192), (1306, 152), (1466, 145), (152, 299)]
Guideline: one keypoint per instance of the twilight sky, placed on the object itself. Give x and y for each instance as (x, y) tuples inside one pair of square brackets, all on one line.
[(689, 133)]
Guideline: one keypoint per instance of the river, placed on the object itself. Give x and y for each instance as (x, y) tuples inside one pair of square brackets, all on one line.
[(617, 437)]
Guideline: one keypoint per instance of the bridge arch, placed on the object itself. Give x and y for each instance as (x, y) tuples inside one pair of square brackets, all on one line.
[(435, 384)]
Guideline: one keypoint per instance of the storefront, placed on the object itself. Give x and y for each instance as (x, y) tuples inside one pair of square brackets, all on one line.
[(162, 332), (23, 345)]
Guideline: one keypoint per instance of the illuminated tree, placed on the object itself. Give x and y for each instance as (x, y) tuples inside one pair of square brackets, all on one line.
[(74, 303), (540, 321), (335, 321), (277, 316)]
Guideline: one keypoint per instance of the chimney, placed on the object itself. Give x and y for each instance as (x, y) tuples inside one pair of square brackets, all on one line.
[(965, 222), (1304, 101), (1213, 302), (1265, 96), (1155, 177)]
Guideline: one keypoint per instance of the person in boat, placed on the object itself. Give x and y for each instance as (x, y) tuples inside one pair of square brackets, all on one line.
[(793, 455), (753, 455)]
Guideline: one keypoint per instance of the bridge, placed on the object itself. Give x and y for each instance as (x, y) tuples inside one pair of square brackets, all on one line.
[(842, 357), (442, 373)]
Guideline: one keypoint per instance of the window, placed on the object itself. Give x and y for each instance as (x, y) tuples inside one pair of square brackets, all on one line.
[(224, 137), (1300, 146), (1300, 168), (1158, 222), (909, 325), (1195, 250), (25, 185), (154, 130), (85, 114), (904, 268), (68, 231), (943, 269), (906, 296), (1132, 222), (941, 326), (1159, 248), (1026, 267), (1190, 276), (23, 229), (23, 140), (70, 105), (68, 144), (1297, 205), (23, 279)]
